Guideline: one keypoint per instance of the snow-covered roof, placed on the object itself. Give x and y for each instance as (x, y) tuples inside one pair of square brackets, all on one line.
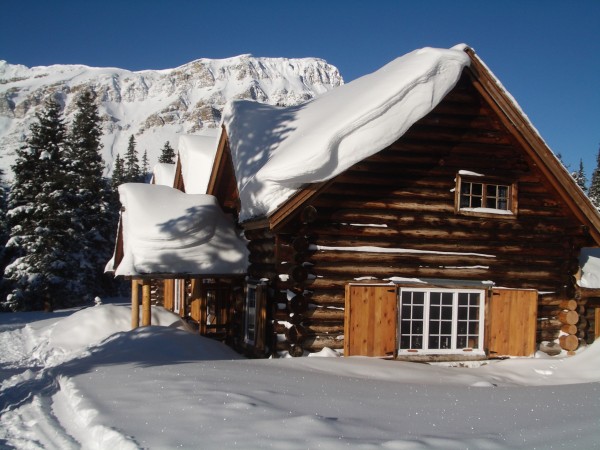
[(276, 150), (163, 174), (187, 234), (196, 156)]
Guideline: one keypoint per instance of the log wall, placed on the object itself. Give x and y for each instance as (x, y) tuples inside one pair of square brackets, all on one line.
[(403, 198)]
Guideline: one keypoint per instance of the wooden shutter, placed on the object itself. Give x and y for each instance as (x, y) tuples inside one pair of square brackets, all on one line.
[(370, 320), (511, 322)]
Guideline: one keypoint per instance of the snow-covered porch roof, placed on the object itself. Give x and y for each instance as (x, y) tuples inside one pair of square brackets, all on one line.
[(166, 233)]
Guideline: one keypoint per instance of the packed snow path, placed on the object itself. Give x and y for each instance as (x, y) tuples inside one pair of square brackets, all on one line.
[(82, 381)]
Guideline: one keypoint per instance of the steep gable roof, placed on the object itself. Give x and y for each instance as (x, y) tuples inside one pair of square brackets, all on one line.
[(282, 157)]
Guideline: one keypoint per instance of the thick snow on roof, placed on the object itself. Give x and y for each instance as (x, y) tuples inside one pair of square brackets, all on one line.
[(589, 261), (196, 155), (276, 150), (163, 174), (186, 234)]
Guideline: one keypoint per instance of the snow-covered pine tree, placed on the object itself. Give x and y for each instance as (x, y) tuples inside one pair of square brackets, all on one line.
[(90, 195), (131, 163), (579, 177), (167, 155), (41, 233), (594, 191)]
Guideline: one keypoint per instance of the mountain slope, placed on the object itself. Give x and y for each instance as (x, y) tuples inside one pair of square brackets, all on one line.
[(154, 106)]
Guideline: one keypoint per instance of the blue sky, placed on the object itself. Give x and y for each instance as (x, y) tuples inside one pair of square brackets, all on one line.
[(546, 53)]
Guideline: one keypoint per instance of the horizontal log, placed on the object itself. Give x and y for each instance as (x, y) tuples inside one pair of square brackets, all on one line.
[(551, 300), (410, 259), (547, 335), (318, 343), (568, 317), (448, 272), (569, 342), (471, 232), (569, 329), (509, 247), (585, 293), (259, 233), (550, 311), (549, 324), (262, 246), (328, 298), (324, 314)]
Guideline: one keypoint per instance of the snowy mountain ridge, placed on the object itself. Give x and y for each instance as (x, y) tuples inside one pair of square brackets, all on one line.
[(154, 105)]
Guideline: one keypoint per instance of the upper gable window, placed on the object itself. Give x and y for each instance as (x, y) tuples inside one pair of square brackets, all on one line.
[(482, 196)]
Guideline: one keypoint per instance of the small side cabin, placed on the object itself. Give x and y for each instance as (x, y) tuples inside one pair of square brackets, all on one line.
[(413, 213)]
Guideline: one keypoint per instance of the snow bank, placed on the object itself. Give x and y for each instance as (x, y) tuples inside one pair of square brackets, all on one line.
[(72, 335), (277, 150), (168, 232), (163, 387)]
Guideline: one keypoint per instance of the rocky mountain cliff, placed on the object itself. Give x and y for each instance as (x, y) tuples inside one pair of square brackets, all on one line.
[(154, 105)]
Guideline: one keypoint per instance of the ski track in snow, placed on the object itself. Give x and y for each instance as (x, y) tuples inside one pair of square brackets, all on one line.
[(39, 410)]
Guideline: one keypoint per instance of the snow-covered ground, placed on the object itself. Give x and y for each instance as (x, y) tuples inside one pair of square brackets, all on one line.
[(80, 379)]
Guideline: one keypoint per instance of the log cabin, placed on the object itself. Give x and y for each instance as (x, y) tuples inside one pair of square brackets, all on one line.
[(414, 213)]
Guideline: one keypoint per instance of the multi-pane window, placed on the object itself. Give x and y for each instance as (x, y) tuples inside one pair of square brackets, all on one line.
[(440, 320), (480, 196)]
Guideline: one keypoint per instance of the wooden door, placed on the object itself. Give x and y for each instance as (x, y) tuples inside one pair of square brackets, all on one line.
[(511, 322), (370, 320)]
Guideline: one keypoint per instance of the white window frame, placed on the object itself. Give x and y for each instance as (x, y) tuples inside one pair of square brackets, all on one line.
[(479, 349)]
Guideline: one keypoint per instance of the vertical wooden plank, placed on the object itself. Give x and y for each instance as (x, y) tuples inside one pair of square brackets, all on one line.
[(146, 316), (135, 304), (197, 306), (597, 323), (347, 319)]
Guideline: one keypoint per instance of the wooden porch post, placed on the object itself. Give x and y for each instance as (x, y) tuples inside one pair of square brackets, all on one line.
[(198, 304), (146, 317), (135, 305)]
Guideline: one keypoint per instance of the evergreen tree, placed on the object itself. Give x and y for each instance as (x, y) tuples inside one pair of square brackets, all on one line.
[(91, 213), (145, 169), (4, 230), (594, 191), (41, 232), (131, 163), (118, 175), (579, 177), (167, 154)]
